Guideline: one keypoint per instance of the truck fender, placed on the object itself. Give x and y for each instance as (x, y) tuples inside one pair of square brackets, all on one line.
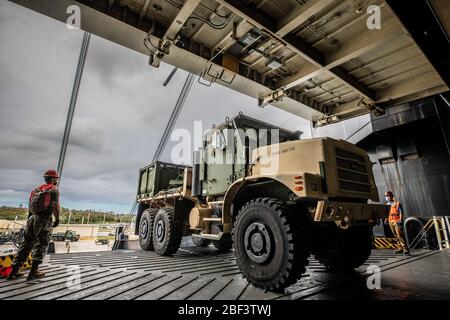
[(234, 190), (231, 193)]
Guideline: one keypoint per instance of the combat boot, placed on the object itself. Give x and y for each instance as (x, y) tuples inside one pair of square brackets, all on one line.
[(14, 274), (398, 251), (35, 273)]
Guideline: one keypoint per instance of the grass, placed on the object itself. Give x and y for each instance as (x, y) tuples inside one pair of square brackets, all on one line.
[(77, 216)]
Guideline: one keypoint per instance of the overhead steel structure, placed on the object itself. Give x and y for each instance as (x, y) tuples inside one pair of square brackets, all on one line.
[(314, 58)]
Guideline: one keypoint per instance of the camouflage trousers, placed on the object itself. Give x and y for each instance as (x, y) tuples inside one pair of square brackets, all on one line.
[(36, 239)]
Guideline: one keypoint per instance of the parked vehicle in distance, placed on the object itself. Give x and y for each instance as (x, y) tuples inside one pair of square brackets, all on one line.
[(101, 241), (70, 235)]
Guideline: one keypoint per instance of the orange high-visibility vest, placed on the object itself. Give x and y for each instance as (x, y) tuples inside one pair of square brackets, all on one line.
[(394, 213)]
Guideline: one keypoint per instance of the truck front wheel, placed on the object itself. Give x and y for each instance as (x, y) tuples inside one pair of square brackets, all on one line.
[(167, 233), (146, 229), (268, 245)]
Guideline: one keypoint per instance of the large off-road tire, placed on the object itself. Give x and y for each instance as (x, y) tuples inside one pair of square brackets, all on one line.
[(146, 229), (350, 250), (167, 233), (200, 242), (268, 244), (224, 244)]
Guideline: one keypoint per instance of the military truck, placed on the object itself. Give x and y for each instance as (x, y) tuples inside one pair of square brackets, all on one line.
[(70, 235), (5, 237), (274, 198), (101, 240)]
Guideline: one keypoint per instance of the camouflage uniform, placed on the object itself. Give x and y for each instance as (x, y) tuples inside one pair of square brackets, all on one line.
[(36, 236), (36, 239)]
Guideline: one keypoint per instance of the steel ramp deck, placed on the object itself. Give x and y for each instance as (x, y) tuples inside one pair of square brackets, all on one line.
[(192, 273)]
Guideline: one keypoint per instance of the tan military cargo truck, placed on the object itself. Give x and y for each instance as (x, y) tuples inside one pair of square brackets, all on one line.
[(274, 198)]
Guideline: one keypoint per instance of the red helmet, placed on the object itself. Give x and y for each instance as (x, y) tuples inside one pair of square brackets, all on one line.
[(51, 173)]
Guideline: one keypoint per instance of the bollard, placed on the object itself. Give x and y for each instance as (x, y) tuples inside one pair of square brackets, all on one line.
[(121, 239), (51, 247)]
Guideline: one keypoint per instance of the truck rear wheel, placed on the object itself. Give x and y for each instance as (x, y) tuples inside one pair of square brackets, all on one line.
[(349, 251), (146, 229), (167, 233), (268, 245), (224, 244), (200, 242)]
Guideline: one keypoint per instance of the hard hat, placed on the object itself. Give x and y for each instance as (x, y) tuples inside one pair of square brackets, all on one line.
[(389, 194), (51, 173)]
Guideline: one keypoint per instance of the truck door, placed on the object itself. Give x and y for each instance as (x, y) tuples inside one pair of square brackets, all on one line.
[(219, 155)]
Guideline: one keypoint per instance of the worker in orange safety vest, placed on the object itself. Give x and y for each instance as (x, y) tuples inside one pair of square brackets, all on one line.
[(395, 220)]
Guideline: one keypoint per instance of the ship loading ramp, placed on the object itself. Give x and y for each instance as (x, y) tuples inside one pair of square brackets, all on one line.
[(207, 274)]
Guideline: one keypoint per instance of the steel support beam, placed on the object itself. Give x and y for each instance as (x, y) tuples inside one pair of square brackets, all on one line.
[(73, 101), (353, 83), (300, 15), (172, 34), (185, 12), (174, 116), (144, 11), (228, 36), (345, 111), (400, 93), (364, 43), (421, 21), (420, 83), (415, 96), (204, 25), (312, 55)]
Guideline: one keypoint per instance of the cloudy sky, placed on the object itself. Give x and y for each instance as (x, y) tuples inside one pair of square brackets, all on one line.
[(121, 112)]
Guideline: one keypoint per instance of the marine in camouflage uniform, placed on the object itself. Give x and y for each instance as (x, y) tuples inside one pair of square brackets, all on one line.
[(38, 231)]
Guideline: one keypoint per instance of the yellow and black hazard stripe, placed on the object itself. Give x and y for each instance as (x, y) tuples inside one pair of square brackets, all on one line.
[(386, 243), (6, 261)]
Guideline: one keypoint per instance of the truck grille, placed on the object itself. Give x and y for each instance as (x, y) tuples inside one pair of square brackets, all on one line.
[(351, 171)]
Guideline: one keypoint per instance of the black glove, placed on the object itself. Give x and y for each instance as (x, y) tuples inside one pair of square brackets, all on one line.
[(55, 223)]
